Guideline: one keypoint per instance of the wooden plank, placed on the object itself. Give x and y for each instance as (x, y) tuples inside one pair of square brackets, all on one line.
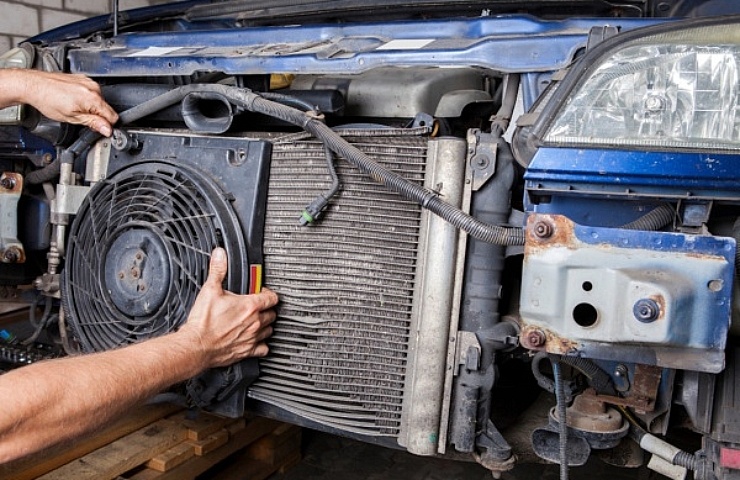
[(255, 429), (122, 455), (171, 458), (210, 443), (200, 424), (237, 425), (35, 465)]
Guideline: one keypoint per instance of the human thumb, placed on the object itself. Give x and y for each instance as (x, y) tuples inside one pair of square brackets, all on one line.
[(217, 269)]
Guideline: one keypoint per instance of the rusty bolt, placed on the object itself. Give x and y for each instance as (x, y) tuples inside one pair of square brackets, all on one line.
[(536, 338), (135, 272), (11, 255), (121, 275), (542, 230), (8, 183), (47, 158)]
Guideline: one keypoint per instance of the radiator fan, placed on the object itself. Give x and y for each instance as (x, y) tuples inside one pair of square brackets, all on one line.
[(138, 252)]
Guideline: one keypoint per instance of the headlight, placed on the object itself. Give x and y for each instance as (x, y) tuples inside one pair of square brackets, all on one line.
[(676, 86), (14, 58)]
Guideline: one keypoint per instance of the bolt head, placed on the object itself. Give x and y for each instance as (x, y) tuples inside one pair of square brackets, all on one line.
[(8, 183), (542, 230), (646, 310), (11, 255), (535, 338)]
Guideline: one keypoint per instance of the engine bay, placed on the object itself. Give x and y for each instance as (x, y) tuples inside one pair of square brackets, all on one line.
[(440, 261)]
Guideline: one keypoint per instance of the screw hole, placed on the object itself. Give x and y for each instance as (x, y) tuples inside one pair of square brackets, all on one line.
[(587, 286), (585, 314)]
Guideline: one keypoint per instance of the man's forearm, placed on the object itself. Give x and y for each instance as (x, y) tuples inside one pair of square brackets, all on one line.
[(64, 398), (12, 86)]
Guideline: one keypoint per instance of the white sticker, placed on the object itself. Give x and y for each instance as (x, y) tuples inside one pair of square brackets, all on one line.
[(406, 44), (153, 52)]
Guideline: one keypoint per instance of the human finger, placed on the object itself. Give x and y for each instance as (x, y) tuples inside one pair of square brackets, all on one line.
[(86, 81), (263, 334), (99, 124), (265, 299), (266, 317), (260, 350), (103, 109), (217, 269)]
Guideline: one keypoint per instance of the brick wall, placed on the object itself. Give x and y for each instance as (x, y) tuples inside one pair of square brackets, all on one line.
[(20, 19)]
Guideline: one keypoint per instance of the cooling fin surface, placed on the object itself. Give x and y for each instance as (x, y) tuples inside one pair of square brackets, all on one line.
[(338, 355)]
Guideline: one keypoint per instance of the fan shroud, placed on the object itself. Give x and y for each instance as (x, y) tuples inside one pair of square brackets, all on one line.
[(139, 249)]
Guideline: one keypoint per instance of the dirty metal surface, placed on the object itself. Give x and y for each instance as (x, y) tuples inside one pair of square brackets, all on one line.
[(656, 298), (11, 249), (643, 392)]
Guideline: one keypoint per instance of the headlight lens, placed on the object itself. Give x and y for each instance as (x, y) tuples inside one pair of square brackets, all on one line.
[(671, 90)]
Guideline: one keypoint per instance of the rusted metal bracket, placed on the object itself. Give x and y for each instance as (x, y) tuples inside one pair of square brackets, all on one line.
[(11, 249)]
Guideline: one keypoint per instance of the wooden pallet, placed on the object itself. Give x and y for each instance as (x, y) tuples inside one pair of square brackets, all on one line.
[(162, 443)]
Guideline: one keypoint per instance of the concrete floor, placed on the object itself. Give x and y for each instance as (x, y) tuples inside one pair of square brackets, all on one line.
[(327, 457)]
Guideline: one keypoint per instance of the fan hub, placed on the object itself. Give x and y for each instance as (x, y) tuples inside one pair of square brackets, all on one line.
[(137, 272)]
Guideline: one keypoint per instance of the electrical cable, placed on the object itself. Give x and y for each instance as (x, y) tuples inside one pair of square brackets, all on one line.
[(428, 199), (291, 101), (656, 446), (562, 423), (313, 211), (46, 318), (654, 220), (500, 121)]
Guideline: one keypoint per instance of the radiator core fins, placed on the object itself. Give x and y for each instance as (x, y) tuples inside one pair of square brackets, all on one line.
[(339, 352)]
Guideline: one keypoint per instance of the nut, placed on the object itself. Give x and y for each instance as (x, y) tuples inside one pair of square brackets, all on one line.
[(11, 255), (8, 183), (535, 338), (542, 230), (646, 310)]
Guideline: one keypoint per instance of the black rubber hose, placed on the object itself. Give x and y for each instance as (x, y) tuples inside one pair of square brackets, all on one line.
[(597, 377), (654, 220), (426, 198), (51, 171), (542, 380), (409, 190), (46, 174), (88, 137), (500, 121)]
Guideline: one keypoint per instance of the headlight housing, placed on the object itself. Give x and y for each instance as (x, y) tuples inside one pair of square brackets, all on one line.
[(14, 58), (676, 86)]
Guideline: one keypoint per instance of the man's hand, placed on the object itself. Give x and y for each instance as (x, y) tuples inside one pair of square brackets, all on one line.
[(226, 327), (44, 404), (59, 96)]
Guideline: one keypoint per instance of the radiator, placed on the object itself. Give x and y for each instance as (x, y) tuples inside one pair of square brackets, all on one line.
[(347, 334), (339, 351)]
